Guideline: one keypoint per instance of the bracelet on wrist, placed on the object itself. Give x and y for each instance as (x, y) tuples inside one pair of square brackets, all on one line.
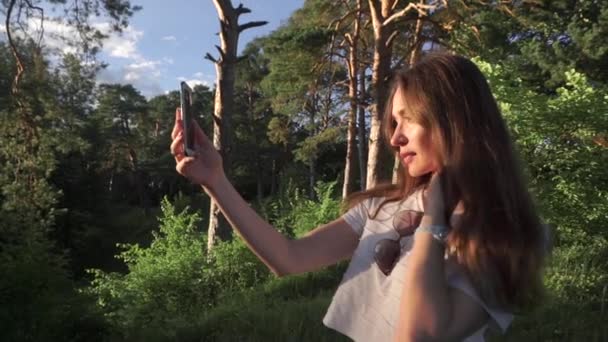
[(438, 232)]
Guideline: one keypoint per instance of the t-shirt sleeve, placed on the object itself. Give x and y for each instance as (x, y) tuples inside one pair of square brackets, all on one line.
[(357, 216), (500, 319)]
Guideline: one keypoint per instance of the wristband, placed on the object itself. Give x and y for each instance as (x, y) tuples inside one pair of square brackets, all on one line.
[(439, 232)]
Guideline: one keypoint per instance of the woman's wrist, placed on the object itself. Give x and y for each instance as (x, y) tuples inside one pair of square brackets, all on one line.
[(433, 219), (215, 184)]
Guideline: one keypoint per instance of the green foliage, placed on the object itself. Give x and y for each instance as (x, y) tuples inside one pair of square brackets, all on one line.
[(172, 280), (234, 267), (295, 305), (293, 214), (38, 299), (294, 320), (166, 281), (278, 131), (312, 146), (83, 163), (563, 35), (36, 292), (559, 138)]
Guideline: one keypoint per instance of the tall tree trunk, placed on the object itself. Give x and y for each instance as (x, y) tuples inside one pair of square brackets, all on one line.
[(311, 178), (273, 179), (380, 10), (361, 130), (414, 53), (138, 179), (224, 98), (312, 163), (384, 16), (353, 75), (252, 131)]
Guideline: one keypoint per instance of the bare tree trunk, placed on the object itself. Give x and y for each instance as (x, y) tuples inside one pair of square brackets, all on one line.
[(273, 180), (312, 161), (380, 10), (312, 178), (361, 130), (252, 131), (384, 16), (138, 179), (224, 98), (353, 75), (416, 44)]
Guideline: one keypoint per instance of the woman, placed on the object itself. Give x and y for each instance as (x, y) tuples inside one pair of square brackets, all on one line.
[(454, 247)]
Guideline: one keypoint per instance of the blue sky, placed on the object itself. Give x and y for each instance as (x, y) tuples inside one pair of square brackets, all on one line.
[(166, 43)]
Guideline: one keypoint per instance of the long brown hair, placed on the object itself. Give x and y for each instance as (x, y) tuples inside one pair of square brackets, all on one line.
[(500, 240)]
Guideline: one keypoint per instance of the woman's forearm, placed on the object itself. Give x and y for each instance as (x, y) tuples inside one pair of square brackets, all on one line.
[(425, 307), (263, 239)]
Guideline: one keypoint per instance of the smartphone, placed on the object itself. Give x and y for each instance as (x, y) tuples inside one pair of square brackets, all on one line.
[(187, 118)]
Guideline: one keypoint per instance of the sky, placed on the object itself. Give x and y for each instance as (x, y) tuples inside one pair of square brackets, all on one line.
[(166, 41)]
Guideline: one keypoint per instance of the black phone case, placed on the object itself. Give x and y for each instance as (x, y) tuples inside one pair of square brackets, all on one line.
[(186, 107)]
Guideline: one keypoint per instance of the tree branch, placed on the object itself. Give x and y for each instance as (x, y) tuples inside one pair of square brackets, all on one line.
[(222, 53), (241, 10), (421, 8), (392, 37), (251, 24), (211, 58), (29, 3), (11, 43), (375, 11)]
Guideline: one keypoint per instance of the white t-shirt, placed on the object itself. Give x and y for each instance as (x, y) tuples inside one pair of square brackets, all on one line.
[(365, 306)]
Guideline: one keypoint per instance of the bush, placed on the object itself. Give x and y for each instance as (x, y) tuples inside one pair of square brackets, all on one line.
[(559, 138), (38, 299), (294, 215), (172, 280)]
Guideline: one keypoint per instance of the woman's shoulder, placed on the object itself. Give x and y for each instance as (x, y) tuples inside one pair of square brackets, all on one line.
[(390, 206)]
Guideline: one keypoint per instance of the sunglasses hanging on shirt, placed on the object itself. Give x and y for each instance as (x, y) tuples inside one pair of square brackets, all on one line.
[(387, 251)]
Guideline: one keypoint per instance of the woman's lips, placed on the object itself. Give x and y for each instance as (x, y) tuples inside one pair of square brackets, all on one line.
[(407, 157)]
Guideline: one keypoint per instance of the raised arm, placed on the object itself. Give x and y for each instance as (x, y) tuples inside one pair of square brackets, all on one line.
[(323, 246)]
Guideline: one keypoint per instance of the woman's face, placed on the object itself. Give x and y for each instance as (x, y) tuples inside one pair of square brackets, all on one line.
[(412, 140)]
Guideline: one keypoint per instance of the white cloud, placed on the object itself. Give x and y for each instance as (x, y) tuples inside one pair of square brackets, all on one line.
[(143, 70), (192, 82), (121, 45), (169, 38), (130, 66), (57, 35), (144, 75)]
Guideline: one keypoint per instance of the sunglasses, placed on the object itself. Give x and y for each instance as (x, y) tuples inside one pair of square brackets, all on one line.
[(387, 251)]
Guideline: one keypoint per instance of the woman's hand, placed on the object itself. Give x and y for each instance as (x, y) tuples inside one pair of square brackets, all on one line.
[(435, 203), (205, 167)]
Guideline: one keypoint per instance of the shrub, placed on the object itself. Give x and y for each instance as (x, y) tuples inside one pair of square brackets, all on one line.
[(172, 280)]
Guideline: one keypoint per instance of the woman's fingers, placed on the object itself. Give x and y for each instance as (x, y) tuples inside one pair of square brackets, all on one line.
[(178, 123), (182, 164), (177, 147), (199, 135)]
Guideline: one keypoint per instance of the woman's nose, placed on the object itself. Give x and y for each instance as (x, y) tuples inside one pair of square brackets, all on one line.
[(398, 138)]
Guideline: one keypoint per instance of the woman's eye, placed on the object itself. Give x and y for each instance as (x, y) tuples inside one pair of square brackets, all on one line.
[(394, 124)]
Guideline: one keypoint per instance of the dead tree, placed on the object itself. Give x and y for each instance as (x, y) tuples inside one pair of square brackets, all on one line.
[(225, 65)]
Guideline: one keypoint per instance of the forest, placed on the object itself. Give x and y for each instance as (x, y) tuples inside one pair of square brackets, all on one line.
[(102, 240)]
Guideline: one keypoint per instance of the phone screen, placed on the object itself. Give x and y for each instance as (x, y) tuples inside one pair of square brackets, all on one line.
[(187, 117)]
